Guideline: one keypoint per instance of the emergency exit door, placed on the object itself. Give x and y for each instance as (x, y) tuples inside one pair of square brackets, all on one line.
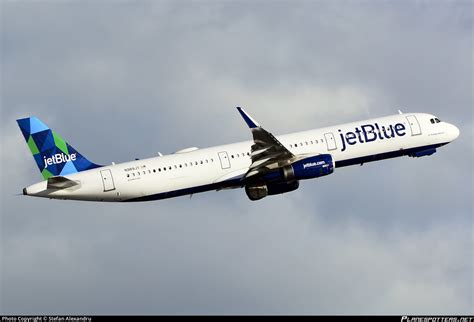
[(224, 158), (330, 141)]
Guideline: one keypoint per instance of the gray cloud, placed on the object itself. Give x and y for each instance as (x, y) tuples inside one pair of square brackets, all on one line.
[(127, 80)]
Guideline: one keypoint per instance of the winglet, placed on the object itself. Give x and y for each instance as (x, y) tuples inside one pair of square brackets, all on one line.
[(248, 119)]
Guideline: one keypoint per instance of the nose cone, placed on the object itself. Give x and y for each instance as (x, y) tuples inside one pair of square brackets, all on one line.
[(453, 132)]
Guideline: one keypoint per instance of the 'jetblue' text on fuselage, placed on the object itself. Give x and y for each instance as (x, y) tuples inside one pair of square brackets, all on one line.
[(371, 132)]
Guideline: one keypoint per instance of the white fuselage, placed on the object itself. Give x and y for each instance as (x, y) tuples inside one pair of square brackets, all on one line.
[(220, 167)]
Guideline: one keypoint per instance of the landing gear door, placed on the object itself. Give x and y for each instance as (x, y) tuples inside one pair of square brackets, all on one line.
[(414, 125), (107, 180)]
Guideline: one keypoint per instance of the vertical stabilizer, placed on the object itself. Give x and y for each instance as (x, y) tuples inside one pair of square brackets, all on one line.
[(53, 155)]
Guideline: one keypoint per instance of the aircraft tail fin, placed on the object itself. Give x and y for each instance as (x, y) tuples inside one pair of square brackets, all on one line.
[(53, 155)]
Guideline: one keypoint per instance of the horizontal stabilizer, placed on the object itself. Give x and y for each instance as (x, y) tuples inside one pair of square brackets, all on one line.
[(57, 183)]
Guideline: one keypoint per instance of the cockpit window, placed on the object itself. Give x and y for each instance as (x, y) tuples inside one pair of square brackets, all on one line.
[(432, 121), (437, 120)]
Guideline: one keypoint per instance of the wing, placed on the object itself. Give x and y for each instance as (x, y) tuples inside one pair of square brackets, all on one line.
[(267, 152)]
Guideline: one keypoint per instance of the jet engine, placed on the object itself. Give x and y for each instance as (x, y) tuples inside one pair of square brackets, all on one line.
[(287, 178)]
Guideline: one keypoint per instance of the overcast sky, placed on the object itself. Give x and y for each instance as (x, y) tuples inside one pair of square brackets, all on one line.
[(126, 80)]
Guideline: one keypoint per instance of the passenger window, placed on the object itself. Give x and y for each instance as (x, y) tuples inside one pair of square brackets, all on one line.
[(180, 166), (306, 142), (202, 162), (169, 168), (128, 175), (207, 161), (164, 169), (159, 169), (232, 156)]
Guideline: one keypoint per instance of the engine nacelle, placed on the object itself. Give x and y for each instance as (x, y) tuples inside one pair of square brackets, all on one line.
[(287, 178), (308, 168), (261, 190), (313, 167)]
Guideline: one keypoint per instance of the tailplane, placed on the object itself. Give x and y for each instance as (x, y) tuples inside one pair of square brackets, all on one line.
[(53, 155)]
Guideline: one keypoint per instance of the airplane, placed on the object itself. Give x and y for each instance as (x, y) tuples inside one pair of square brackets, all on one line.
[(268, 165)]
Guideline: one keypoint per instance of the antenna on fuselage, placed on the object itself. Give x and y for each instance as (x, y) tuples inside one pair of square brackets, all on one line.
[(159, 154), (400, 112)]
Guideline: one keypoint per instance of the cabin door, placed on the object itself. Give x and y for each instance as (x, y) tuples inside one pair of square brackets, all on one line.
[(414, 125), (107, 180)]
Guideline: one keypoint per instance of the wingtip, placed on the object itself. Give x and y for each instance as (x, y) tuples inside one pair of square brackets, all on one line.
[(241, 110), (247, 118)]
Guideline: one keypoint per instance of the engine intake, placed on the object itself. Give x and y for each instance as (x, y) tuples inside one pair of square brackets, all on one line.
[(260, 191)]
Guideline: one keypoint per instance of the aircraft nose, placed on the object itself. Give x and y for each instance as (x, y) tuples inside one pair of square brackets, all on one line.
[(454, 131)]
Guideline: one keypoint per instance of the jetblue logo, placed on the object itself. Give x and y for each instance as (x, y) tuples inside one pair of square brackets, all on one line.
[(58, 159), (371, 132), (313, 164)]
